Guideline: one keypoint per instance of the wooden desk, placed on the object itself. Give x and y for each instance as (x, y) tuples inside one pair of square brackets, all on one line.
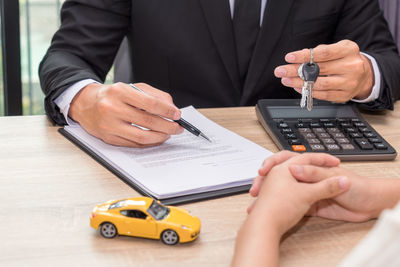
[(48, 188)]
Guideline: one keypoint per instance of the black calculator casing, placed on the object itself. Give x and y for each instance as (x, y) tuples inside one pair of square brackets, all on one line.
[(362, 142)]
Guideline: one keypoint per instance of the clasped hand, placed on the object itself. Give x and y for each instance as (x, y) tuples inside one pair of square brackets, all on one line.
[(291, 185)]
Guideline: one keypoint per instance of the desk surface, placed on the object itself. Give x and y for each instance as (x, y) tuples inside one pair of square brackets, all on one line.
[(48, 188)]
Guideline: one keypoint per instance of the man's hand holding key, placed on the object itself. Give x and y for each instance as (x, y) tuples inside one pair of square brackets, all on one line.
[(344, 72)]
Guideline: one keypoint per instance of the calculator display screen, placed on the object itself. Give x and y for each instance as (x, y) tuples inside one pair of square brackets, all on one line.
[(283, 112)]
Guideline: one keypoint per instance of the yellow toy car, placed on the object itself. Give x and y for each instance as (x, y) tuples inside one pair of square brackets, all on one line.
[(145, 217)]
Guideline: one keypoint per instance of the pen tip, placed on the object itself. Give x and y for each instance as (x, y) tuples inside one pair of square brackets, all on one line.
[(205, 137)]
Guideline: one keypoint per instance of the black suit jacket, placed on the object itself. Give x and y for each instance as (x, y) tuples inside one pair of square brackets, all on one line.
[(186, 47)]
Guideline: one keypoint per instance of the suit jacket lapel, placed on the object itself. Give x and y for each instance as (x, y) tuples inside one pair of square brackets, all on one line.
[(219, 20), (276, 13)]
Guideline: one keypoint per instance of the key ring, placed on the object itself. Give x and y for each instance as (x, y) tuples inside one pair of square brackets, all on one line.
[(312, 56), (300, 69)]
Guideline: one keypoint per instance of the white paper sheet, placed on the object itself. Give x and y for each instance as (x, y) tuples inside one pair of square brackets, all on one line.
[(185, 164)]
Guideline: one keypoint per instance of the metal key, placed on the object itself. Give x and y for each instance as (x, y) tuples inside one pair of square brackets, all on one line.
[(304, 92), (309, 73)]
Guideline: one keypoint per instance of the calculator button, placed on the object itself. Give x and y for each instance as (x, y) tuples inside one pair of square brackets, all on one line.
[(319, 130), (342, 120), (380, 146), (369, 135), (323, 135), (345, 125), (328, 141), (356, 135), (309, 135), (299, 148), (333, 147), (325, 120), (329, 125), (317, 147), (333, 130), (283, 125), (315, 125), (313, 141), (363, 144), (301, 125), (338, 135), (295, 142), (364, 130), (374, 140), (355, 120), (290, 136), (304, 130), (347, 146), (342, 140), (286, 130), (359, 124), (350, 130)]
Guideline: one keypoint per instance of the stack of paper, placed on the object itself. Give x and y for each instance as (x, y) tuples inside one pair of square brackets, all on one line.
[(185, 164)]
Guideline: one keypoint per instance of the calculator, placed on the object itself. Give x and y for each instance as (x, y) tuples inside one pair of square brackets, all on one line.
[(337, 129)]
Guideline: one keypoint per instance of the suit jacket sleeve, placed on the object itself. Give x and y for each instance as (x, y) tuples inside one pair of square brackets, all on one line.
[(363, 23), (83, 48)]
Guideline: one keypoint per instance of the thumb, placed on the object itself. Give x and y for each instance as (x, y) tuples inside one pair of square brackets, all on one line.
[(329, 188)]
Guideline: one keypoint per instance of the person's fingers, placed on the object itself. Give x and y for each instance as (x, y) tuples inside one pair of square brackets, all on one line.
[(145, 101), (337, 83), (137, 135), (155, 92), (144, 119), (331, 88), (337, 96), (330, 209), (250, 208), (316, 159), (328, 188), (323, 53), (335, 67), (290, 70), (267, 165), (310, 173), (274, 160), (120, 141), (256, 185), (312, 211)]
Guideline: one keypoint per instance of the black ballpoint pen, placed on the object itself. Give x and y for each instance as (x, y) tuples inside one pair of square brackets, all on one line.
[(185, 124)]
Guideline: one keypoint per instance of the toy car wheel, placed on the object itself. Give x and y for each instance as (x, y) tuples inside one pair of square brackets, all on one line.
[(169, 237), (108, 230)]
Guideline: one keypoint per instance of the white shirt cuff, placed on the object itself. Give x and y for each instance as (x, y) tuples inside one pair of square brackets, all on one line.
[(376, 89), (65, 99)]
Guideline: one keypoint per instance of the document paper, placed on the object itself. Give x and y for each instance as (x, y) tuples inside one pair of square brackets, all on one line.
[(185, 164)]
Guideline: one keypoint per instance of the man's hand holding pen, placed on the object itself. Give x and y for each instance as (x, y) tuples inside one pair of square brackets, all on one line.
[(108, 112)]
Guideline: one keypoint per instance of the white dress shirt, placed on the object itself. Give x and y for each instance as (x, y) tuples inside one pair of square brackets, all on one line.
[(65, 99)]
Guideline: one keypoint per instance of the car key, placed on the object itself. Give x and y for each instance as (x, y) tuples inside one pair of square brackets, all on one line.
[(309, 73), (304, 92)]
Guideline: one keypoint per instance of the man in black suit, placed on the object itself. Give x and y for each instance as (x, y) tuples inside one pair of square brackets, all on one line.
[(211, 53)]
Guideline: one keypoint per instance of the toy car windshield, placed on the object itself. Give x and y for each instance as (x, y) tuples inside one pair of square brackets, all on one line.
[(158, 211), (117, 205)]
